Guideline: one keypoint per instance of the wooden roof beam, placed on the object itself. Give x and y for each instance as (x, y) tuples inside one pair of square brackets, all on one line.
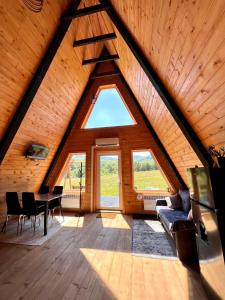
[(94, 39), (100, 59), (163, 92), (86, 11), (36, 82)]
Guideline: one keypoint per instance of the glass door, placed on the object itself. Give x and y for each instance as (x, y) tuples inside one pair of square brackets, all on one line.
[(109, 183)]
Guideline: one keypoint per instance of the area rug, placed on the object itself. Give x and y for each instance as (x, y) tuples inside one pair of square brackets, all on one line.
[(28, 236), (106, 215), (150, 239), (144, 217)]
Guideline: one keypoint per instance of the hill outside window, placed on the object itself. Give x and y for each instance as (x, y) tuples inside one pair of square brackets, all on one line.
[(147, 176)]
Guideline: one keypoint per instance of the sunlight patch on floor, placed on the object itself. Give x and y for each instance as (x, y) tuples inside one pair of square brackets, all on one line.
[(156, 226), (106, 224), (72, 221), (105, 264)]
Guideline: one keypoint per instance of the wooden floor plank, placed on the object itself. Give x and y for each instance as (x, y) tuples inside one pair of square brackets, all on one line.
[(90, 258)]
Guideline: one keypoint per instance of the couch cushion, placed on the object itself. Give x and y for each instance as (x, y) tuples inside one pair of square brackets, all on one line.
[(159, 207), (176, 202), (185, 199), (168, 216)]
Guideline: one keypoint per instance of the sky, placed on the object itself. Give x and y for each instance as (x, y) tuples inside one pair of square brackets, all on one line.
[(109, 110)]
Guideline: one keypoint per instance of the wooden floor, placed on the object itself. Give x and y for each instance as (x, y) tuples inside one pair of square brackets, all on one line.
[(91, 259)]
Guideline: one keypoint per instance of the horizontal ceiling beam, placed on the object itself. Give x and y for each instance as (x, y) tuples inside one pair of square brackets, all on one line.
[(35, 83), (100, 59), (105, 74), (163, 92), (85, 11), (94, 39)]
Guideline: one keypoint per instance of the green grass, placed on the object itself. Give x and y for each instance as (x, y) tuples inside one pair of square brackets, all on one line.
[(150, 180), (145, 179)]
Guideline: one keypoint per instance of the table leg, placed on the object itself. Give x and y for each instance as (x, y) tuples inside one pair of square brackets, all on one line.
[(46, 218)]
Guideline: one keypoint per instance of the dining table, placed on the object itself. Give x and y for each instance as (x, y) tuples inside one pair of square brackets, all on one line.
[(45, 199)]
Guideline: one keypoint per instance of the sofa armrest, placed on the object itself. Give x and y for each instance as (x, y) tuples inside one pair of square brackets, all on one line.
[(181, 225), (161, 202)]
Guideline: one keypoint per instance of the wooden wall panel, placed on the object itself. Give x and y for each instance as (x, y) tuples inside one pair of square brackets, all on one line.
[(25, 36), (184, 41), (131, 138)]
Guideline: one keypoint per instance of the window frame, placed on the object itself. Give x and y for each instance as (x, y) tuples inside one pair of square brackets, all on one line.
[(106, 87), (65, 169), (169, 188)]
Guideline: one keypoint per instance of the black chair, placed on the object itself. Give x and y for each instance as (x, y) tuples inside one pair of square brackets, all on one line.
[(31, 208), (13, 209), (56, 203), (44, 189)]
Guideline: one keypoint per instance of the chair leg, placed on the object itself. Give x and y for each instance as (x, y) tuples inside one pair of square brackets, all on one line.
[(20, 223), (23, 222), (61, 212), (34, 223), (5, 224)]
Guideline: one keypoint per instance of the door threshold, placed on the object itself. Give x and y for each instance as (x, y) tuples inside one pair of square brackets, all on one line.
[(118, 211)]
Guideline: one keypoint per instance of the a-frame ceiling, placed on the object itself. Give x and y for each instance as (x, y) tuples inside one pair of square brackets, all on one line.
[(183, 40)]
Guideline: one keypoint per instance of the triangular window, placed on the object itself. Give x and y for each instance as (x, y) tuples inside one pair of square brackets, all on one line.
[(109, 110)]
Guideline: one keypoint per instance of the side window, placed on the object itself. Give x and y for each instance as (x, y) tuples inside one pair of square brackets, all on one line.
[(146, 174), (75, 173)]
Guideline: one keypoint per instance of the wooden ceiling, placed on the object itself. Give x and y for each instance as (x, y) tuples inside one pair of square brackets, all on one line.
[(183, 40)]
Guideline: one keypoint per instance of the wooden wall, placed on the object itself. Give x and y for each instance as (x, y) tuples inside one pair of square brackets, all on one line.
[(24, 37), (184, 41), (131, 138)]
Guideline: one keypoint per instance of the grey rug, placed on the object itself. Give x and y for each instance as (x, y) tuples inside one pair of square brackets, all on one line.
[(150, 239), (28, 236)]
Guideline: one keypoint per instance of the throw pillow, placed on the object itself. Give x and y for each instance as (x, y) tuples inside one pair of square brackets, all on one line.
[(185, 200), (175, 201)]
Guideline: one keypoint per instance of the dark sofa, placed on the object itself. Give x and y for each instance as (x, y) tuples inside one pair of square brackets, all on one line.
[(177, 221)]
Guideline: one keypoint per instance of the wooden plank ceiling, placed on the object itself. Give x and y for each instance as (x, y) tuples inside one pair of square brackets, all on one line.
[(24, 37), (183, 40)]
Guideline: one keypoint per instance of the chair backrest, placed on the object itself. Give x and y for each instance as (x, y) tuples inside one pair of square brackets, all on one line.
[(13, 205), (44, 189), (58, 189), (29, 204)]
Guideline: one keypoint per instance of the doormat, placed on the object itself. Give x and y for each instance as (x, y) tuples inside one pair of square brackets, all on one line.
[(106, 215), (149, 239)]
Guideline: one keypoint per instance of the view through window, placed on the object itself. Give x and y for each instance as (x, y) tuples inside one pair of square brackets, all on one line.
[(75, 173), (146, 174), (109, 110)]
